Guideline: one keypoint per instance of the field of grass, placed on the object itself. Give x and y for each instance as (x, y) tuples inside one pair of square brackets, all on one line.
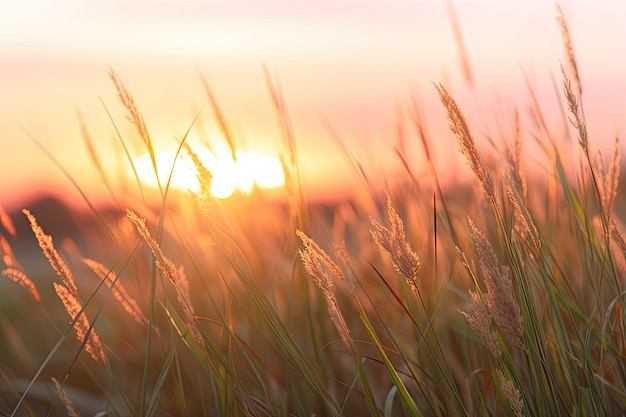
[(501, 298)]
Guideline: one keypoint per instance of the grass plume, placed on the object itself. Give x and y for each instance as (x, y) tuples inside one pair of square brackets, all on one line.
[(70, 408), (20, 277), (497, 279), (84, 331), (6, 222), (162, 262), (393, 241), (56, 261), (467, 145)]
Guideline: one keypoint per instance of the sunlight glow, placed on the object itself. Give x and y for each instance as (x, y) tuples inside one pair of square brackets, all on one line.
[(249, 171)]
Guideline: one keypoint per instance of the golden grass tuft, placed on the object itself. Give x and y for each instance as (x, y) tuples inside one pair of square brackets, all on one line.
[(134, 115), (521, 213), (183, 297), (317, 263), (569, 48), (512, 394), (8, 256), (56, 261), (394, 242), (6, 222), (515, 165), (574, 107), (314, 254), (203, 175), (84, 332), (608, 178), (313, 258), (479, 320), (20, 277), (119, 292), (497, 279), (467, 145), (70, 408), (162, 262)]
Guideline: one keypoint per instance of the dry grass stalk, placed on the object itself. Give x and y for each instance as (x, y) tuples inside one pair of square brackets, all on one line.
[(313, 257), (8, 257), (341, 253), (119, 292), (460, 44), (513, 154), (183, 295), (569, 48), (499, 298), (93, 345), (467, 145), (94, 156), (318, 253), (6, 222), (521, 213), (162, 262), (313, 266), (70, 408), (205, 198), (311, 261), (134, 116), (184, 299), (220, 119), (577, 120), (203, 175), (20, 277), (608, 179), (479, 320), (394, 242), (621, 240), (55, 260), (280, 108), (512, 394)]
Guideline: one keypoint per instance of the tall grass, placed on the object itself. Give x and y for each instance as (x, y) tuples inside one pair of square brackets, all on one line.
[(477, 301)]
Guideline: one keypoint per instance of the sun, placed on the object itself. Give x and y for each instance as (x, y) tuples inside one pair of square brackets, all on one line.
[(248, 171)]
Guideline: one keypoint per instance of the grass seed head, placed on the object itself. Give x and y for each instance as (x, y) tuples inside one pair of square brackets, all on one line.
[(608, 178), (521, 212), (119, 292), (467, 146), (6, 222), (512, 394), (20, 277), (93, 345), (393, 241), (314, 251), (162, 262), (8, 257), (56, 261), (479, 320), (499, 298), (70, 408)]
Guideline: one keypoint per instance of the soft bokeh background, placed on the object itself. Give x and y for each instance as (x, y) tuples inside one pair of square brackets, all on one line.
[(350, 64)]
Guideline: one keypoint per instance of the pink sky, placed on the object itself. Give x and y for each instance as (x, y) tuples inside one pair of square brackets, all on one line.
[(349, 62)]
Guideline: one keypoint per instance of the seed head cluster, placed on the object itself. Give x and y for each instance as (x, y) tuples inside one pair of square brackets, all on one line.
[(497, 279), (393, 241)]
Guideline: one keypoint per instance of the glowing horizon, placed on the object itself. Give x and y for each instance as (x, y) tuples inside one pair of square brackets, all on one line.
[(353, 67), (250, 170)]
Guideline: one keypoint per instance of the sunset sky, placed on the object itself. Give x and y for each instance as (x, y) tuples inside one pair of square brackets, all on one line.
[(350, 64)]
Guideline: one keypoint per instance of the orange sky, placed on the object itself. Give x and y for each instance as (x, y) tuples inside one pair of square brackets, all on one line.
[(352, 63)]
